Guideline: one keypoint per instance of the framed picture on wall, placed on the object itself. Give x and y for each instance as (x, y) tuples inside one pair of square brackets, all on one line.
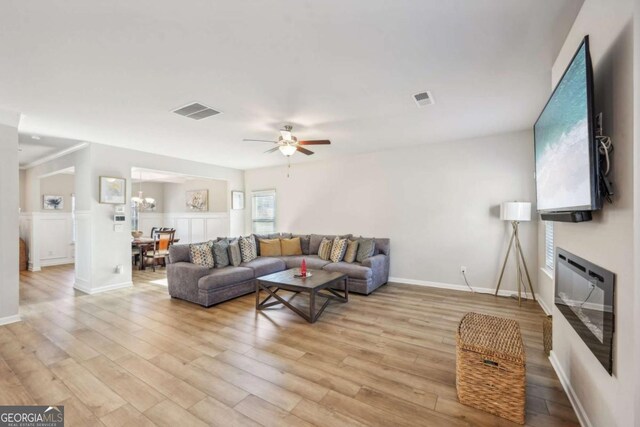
[(113, 190), (197, 200), (50, 202), (237, 200)]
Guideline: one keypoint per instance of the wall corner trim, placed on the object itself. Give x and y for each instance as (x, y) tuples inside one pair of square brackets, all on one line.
[(10, 319), (573, 397)]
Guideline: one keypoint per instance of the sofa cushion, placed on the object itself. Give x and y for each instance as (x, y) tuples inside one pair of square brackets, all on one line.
[(222, 277), (265, 265), (366, 247), (353, 270), (313, 261), (291, 246), (235, 256), (257, 238), (201, 254), (270, 247), (248, 248), (338, 249), (351, 252), (179, 253), (324, 251), (221, 253), (305, 239)]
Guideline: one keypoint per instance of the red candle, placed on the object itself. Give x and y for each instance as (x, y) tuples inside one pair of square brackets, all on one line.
[(303, 268)]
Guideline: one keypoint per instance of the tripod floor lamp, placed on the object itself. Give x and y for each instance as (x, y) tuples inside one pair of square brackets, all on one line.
[(516, 212)]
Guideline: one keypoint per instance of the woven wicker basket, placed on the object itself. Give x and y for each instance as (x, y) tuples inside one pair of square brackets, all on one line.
[(490, 366), (547, 334)]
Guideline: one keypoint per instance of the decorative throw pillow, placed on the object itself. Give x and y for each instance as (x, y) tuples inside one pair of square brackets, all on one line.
[(324, 250), (235, 255), (270, 247), (201, 254), (338, 249), (290, 246), (351, 252), (365, 249), (305, 240), (248, 248), (221, 253)]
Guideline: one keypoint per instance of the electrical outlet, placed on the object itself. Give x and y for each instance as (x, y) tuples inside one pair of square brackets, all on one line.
[(463, 269)]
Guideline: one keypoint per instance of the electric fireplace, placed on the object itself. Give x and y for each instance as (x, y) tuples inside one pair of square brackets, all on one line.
[(585, 296)]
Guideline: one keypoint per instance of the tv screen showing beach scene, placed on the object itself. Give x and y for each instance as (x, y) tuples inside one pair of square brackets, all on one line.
[(563, 141)]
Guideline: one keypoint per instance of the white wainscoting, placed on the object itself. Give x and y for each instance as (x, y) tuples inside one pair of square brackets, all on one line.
[(190, 226), (49, 238)]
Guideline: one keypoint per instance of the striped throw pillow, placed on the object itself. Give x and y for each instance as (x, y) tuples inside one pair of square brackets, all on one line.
[(352, 251), (338, 249), (324, 251)]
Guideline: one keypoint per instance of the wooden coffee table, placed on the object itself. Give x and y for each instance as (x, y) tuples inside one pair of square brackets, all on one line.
[(321, 283)]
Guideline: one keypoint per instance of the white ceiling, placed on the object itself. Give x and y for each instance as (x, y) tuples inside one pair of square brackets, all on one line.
[(111, 71), (149, 175)]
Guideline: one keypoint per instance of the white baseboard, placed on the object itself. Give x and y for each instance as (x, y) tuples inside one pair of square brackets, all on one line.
[(464, 288), (91, 291), (544, 306), (571, 394), (10, 319), (57, 261), (30, 267)]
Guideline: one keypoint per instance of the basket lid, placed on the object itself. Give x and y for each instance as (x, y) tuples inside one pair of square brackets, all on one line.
[(491, 335)]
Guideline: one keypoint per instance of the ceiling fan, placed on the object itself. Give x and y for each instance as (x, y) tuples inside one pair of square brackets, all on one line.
[(289, 144)]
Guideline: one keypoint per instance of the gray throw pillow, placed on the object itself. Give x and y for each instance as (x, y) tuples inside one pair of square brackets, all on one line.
[(220, 253), (305, 239), (366, 247), (235, 256)]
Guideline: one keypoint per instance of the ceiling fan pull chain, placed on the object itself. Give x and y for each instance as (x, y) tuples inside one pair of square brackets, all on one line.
[(288, 167)]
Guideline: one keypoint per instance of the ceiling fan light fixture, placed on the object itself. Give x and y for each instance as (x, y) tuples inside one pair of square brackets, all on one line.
[(286, 135), (287, 150)]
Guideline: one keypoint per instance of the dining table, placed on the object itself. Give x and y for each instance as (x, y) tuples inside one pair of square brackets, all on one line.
[(143, 243)]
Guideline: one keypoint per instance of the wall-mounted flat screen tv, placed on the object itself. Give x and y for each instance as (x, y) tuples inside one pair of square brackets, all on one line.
[(565, 145)]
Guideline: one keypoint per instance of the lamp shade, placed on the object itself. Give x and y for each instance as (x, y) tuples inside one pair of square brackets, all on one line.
[(515, 211), (288, 150)]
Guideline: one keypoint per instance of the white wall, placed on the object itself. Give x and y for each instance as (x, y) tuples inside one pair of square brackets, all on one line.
[(99, 249), (110, 248), (600, 399), (175, 199), (9, 202), (438, 203), (61, 184)]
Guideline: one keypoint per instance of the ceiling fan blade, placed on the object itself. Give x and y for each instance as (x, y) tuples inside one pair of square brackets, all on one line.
[(271, 150), (304, 151), (316, 142), (259, 140)]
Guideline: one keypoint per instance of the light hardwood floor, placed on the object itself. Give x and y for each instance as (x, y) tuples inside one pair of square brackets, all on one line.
[(137, 357)]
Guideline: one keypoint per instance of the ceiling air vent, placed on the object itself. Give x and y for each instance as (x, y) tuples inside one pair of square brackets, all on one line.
[(196, 111), (423, 98)]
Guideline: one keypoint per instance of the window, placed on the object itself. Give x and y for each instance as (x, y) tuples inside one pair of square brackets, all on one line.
[(549, 249), (263, 214)]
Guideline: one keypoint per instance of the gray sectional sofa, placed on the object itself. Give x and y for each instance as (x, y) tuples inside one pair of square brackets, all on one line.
[(209, 286)]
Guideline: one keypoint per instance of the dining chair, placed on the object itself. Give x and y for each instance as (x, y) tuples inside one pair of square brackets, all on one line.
[(162, 240)]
